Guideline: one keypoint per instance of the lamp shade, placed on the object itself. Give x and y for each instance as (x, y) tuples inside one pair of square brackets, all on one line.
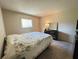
[(46, 26)]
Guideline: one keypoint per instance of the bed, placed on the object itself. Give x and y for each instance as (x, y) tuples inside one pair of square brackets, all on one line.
[(27, 45)]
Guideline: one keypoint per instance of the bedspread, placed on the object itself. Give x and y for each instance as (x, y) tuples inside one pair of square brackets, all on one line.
[(24, 42)]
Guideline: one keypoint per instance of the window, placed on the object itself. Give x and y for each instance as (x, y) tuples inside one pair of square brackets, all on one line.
[(26, 23)]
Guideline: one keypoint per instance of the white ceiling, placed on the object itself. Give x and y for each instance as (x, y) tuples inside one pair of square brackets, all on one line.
[(38, 7)]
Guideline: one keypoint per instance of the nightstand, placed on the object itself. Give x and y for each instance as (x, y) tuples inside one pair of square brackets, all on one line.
[(53, 33)]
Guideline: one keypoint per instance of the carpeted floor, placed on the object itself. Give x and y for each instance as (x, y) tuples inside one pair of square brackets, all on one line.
[(47, 54), (58, 50)]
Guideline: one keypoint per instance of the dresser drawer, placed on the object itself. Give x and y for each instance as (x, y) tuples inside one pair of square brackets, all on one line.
[(53, 33)]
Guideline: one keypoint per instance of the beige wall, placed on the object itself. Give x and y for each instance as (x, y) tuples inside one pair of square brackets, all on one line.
[(2, 32), (12, 22), (67, 23)]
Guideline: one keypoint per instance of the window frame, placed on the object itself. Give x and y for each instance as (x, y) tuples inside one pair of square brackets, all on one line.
[(26, 19)]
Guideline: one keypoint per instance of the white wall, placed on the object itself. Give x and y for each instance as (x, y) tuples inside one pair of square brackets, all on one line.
[(2, 32), (67, 23)]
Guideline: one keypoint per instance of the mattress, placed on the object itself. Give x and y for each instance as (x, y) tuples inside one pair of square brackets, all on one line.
[(27, 45)]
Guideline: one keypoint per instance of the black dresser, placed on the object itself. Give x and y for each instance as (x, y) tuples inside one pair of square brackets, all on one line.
[(53, 33)]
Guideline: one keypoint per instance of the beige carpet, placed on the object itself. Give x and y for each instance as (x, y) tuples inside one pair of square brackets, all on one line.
[(58, 50)]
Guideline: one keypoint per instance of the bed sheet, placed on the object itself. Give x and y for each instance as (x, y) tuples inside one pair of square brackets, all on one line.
[(27, 45)]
